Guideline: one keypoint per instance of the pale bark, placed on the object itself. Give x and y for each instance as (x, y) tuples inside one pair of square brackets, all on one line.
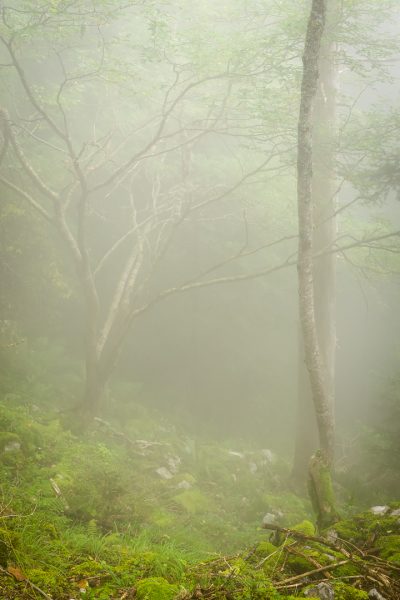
[(324, 235), (321, 392)]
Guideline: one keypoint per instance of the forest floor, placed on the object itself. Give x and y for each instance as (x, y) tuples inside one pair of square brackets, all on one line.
[(142, 511)]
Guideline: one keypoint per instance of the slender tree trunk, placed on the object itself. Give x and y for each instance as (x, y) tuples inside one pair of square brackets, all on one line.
[(306, 434), (320, 483), (324, 210), (321, 394), (323, 236)]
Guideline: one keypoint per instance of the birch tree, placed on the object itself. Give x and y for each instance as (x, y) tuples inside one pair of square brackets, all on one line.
[(320, 485)]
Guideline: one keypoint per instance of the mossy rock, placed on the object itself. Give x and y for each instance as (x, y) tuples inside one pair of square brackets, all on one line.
[(155, 588), (348, 592), (305, 527), (265, 549), (193, 502), (390, 548), (367, 525), (294, 509)]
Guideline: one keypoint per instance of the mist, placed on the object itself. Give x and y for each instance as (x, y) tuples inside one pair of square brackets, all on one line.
[(199, 258)]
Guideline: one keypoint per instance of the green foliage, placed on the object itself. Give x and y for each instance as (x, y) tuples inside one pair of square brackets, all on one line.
[(344, 591), (155, 588), (305, 527), (193, 502)]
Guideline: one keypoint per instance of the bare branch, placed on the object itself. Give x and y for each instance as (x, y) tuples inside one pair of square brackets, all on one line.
[(31, 201)]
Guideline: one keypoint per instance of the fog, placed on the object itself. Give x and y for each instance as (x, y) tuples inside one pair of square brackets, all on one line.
[(199, 299), (181, 121)]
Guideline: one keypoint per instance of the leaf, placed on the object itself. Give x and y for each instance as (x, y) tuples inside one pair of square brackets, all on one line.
[(17, 573)]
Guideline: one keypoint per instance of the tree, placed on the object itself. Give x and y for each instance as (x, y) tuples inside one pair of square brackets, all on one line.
[(324, 236), (349, 43), (117, 184), (321, 462)]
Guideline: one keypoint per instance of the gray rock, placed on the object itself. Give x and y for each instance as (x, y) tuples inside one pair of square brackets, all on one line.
[(332, 536), (395, 513), (323, 591), (375, 595), (269, 519)]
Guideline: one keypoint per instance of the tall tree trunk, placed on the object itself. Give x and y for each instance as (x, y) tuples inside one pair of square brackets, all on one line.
[(320, 484), (321, 393), (324, 233)]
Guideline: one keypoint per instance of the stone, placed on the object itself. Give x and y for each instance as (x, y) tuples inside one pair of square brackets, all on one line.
[(184, 485), (375, 595), (323, 591), (379, 510), (164, 473), (173, 464), (268, 455), (269, 519)]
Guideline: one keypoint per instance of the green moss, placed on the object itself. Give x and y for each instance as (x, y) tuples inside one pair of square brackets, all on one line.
[(265, 549), (49, 581), (193, 501), (294, 508), (321, 491), (347, 592), (382, 529), (162, 518), (305, 527), (390, 547), (87, 568), (155, 588)]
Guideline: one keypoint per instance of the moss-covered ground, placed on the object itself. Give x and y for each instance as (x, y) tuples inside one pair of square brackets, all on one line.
[(139, 510)]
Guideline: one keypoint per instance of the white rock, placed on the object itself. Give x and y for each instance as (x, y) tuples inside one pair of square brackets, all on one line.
[(395, 513), (173, 463), (164, 473), (184, 485), (379, 510), (268, 455), (375, 595)]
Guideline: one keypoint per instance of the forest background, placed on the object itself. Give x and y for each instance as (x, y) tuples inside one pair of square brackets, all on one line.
[(149, 220)]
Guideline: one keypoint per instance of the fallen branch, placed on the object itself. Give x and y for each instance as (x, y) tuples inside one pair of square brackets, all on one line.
[(26, 580), (331, 567)]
